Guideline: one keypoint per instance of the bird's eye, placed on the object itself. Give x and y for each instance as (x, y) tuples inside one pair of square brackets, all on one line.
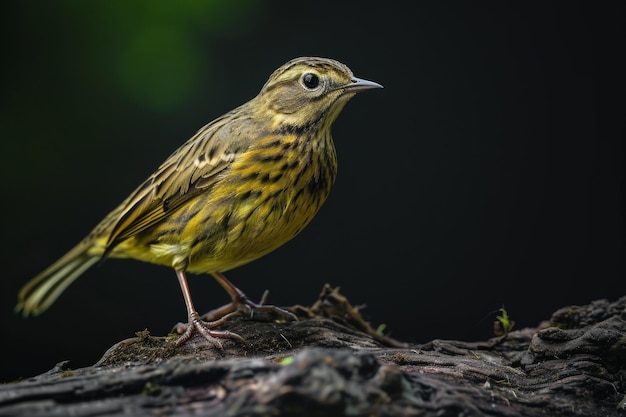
[(310, 80)]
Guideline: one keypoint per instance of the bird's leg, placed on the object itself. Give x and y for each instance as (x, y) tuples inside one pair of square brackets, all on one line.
[(242, 304), (195, 322)]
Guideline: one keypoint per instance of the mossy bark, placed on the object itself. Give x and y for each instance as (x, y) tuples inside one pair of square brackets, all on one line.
[(333, 363)]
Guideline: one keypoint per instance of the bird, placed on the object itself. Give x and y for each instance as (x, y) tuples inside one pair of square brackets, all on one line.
[(240, 187)]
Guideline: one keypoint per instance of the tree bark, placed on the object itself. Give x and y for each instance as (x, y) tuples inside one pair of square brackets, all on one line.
[(333, 363)]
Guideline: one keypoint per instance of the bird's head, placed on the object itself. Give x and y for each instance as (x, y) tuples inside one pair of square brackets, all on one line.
[(308, 91)]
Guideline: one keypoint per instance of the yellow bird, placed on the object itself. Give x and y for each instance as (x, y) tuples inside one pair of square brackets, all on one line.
[(242, 186)]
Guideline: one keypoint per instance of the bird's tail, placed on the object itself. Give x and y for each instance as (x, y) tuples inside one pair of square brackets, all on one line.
[(39, 293)]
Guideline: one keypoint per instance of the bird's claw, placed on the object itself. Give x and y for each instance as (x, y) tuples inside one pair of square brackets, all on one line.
[(245, 307), (206, 329)]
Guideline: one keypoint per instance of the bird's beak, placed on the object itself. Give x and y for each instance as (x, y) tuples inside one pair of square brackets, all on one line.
[(358, 84)]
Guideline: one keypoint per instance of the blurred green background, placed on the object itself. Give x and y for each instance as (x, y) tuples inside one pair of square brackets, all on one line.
[(488, 172)]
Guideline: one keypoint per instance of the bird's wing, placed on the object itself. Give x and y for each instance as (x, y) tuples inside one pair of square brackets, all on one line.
[(190, 170)]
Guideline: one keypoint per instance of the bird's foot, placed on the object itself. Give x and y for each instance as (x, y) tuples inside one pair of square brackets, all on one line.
[(243, 306), (206, 329)]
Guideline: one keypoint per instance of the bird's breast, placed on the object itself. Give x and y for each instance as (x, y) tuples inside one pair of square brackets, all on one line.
[(270, 193)]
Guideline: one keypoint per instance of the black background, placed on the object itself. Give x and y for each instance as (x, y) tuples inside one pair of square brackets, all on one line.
[(487, 173)]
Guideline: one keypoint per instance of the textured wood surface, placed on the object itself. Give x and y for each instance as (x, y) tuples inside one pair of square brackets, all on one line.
[(332, 363)]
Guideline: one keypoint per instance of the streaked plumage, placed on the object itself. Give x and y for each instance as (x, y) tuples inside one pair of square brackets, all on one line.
[(243, 185)]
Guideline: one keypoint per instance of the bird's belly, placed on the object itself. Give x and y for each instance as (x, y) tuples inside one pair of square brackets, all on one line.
[(228, 235), (251, 233)]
